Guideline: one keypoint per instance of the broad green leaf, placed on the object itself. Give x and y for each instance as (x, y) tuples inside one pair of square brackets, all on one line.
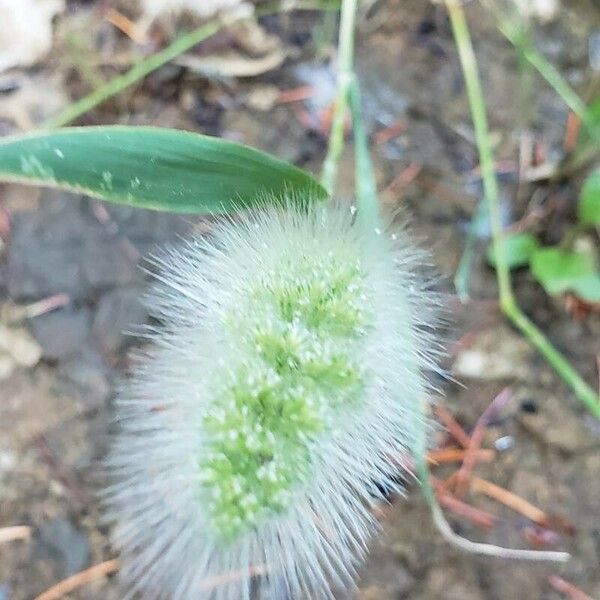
[(560, 271), (518, 249), (149, 167), (589, 200)]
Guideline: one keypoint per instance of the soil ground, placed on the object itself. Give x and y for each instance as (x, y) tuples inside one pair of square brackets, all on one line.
[(55, 416)]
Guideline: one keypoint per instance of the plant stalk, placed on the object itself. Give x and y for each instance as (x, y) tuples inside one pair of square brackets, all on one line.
[(508, 304), (345, 76), (366, 187), (546, 69)]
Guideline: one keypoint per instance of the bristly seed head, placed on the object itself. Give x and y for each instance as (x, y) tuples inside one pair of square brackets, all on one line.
[(299, 328), (284, 386)]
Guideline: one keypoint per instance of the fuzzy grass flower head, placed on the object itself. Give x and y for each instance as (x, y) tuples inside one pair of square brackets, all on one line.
[(279, 396)]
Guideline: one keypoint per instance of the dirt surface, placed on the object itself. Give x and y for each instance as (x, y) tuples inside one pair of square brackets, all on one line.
[(55, 415)]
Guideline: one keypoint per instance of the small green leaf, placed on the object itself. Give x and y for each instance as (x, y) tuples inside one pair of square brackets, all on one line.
[(593, 112), (150, 167), (589, 200), (560, 271), (518, 249)]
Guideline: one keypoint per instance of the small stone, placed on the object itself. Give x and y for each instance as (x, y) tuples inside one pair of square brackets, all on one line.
[(7, 366), (504, 443), (497, 353), (64, 544), (62, 332), (105, 264), (17, 343), (67, 247), (119, 312), (92, 378)]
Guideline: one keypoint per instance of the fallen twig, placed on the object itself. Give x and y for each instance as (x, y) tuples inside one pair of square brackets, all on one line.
[(462, 509), (452, 425), (304, 92), (64, 587), (403, 179), (389, 133), (450, 455), (571, 132), (126, 25), (509, 499), (464, 473), (567, 589)]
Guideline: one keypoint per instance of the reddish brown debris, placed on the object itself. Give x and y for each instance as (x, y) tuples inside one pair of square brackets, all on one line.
[(126, 25), (66, 586), (567, 589), (452, 425), (477, 516), (295, 94), (572, 130), (389, 133), (464, 473)]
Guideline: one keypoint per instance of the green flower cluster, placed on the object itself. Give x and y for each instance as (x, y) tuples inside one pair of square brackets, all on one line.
[(296, 332)]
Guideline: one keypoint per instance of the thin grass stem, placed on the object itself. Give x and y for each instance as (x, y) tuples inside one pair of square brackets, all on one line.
[(345, 76), (366, 186), (515, 34), (508, 304), (135, 74), (152, 63)]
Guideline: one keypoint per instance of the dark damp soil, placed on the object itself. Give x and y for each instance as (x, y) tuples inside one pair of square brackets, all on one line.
[(54, 416)]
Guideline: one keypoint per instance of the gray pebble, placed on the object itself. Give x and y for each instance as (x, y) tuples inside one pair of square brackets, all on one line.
[(119, 313), (89, 375), (64, 544), (62, 333)]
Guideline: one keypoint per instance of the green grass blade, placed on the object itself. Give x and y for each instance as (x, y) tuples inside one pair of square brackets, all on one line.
[(148, 167)]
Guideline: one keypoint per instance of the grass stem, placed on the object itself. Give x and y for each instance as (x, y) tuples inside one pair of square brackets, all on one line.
[(135, 74), (345, 77), (182, 44), (518, 37), (508, 304), (366, 186)]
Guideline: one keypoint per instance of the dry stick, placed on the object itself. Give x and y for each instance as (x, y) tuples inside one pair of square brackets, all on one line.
[(516, 503), (66, 586), (458, 507), (126, 25), (584, 392), (465, 471), (109, 567), (460, 542), (567, 589), (450, 455), (452, 425), (19, 532)]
